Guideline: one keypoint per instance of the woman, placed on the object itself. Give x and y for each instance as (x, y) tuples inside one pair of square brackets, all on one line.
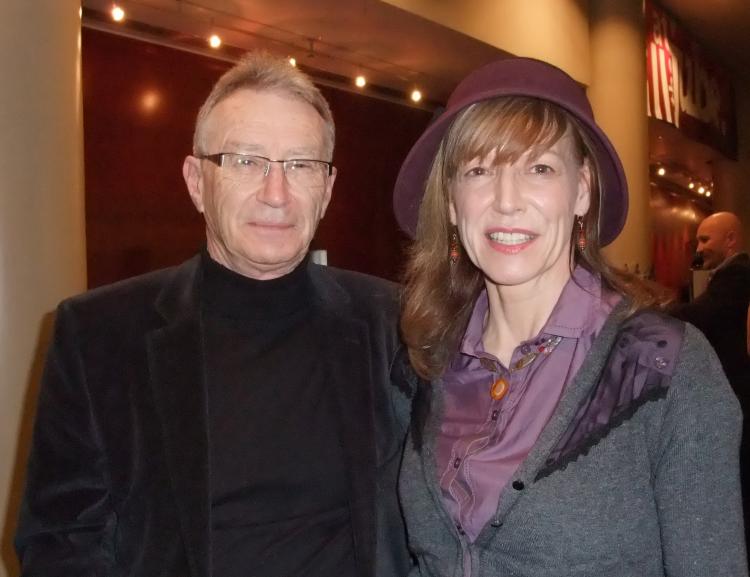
[(564, 426)]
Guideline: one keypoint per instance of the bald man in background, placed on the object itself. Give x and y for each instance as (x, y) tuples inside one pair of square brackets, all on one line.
[(721, 311), (722, 314)]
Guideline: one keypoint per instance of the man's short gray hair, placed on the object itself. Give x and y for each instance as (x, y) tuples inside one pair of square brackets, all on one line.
[(264, 72)]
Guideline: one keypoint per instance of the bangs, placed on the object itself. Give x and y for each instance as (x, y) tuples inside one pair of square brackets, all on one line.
[(509, 126)]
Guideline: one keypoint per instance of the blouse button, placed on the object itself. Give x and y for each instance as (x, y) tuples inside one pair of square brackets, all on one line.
[(518, 485)]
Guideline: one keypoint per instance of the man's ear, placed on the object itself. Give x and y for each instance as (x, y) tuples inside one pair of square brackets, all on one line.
[(732, 239), (192, 172), (328, 193)]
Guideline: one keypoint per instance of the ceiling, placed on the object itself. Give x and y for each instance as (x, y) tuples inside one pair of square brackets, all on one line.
[(722, 27), (336, 39)]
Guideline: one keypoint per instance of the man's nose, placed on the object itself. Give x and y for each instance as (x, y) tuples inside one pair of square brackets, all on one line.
[(274, 190)]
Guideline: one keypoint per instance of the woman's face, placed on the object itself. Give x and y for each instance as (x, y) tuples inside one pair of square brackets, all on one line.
[(515, 219)]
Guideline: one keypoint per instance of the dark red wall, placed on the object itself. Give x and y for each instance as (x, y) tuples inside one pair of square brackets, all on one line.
[(675, 222), (140, 102)]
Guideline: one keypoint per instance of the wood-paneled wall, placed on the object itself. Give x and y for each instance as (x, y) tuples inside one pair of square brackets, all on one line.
[(140, 102)]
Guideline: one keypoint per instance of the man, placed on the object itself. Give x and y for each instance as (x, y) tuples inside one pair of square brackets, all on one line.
[(242, 413), (721, 311)]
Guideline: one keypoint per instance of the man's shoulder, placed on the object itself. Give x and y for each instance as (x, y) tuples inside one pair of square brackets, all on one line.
[(361, 281), (131, 295), (355, 285), (733, 276)]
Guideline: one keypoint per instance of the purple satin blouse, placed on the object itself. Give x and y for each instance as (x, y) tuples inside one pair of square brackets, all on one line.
[(483, 441)]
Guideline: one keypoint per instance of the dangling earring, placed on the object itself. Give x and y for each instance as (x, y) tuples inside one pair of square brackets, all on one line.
[(454, 254), (581, 240)]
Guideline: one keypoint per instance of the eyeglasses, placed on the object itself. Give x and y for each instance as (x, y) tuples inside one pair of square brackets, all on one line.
[(250, 169)]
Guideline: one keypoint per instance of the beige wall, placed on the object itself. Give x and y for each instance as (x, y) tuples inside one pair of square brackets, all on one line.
[(556, 31), (618, 96), (42, 256)]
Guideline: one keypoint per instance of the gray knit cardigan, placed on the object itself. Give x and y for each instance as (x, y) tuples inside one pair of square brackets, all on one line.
[(636, 474)]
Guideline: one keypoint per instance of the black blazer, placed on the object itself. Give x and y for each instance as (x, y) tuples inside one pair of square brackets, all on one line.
[(117, 481)]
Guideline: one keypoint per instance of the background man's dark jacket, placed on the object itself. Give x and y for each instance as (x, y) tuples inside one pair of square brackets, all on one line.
[(721, 314), (118, 476)]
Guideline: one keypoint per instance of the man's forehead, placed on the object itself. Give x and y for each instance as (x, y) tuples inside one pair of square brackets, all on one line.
[(706, 229), (247, 118)]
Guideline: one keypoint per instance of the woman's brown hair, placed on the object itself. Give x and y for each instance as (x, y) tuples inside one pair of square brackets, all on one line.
[(439, 295)]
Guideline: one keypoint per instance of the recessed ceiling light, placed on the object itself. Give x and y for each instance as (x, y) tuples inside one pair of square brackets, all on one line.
[(214, 41), (661, 171), (415, 95), (293, 61), (118, 14), (360, 81), (691, 186), (701, 190)]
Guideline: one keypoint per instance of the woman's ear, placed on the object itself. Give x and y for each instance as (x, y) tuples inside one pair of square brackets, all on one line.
[(583, 196)]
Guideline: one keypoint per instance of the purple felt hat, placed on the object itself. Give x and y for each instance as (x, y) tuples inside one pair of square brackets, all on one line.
[(516, 77)]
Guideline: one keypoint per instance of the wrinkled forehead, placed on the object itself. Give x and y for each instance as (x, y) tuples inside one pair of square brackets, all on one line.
[(508, 129), (250, 115)]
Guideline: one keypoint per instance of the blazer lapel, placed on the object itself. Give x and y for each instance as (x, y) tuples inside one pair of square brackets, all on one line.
[(177, 376), (346, 352)]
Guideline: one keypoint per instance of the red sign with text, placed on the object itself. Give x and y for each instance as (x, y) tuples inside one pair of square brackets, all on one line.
[(684, 88)]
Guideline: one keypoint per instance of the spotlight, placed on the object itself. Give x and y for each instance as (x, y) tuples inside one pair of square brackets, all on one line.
[(701, 190), (661, 171), (293, 61), (416, 95), (691, 186), (708, 193), (214, 41), (360, 81), (118, 14)]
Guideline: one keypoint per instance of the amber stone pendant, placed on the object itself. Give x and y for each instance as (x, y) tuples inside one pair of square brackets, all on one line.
[(499, 388)]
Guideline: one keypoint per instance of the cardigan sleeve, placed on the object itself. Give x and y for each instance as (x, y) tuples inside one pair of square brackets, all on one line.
[(66, 520), (696, 469)]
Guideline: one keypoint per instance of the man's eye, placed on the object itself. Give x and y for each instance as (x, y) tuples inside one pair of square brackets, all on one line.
[(299, 165), (247, 161)]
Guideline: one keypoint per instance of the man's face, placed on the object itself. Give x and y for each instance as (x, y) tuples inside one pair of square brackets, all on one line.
[(713, 242), (260, 231)]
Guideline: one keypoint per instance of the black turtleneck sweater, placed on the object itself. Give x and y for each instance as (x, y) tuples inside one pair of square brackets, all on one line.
[(279, 492)]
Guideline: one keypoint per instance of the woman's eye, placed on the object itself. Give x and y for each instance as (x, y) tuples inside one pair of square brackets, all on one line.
[(476, 171), (542, 169)]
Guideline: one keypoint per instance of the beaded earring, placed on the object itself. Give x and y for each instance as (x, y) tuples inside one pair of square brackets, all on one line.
[(454, 253), (581, 238)]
